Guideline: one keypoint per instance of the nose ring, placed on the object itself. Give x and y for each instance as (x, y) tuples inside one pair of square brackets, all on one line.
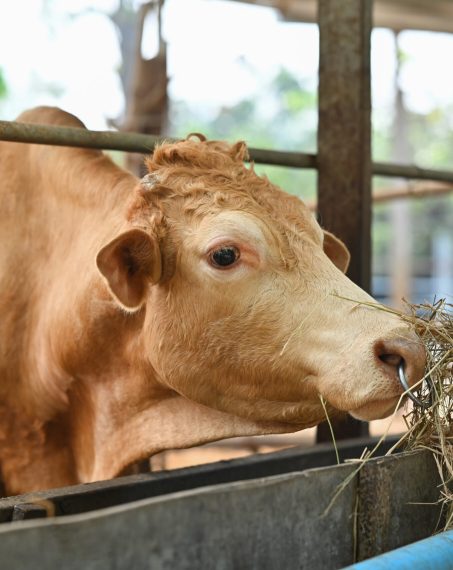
[(404, 383)]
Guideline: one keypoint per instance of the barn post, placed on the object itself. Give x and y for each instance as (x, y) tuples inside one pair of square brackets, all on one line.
[(344, 143)]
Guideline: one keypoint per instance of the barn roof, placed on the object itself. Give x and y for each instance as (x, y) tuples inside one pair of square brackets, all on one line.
[(436, 15)]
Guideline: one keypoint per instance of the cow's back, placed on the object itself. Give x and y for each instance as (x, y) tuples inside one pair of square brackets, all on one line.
[(19, 243), (57, 205)]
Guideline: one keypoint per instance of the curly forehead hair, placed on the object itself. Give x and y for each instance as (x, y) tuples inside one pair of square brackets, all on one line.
[(215, 170), (201, 173), (199, 154)]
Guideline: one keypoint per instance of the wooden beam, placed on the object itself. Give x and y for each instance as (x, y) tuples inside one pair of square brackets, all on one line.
[(436, 15), (344, 142)]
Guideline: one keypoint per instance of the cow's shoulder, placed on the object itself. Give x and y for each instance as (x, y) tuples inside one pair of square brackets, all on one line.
[(50, 116)]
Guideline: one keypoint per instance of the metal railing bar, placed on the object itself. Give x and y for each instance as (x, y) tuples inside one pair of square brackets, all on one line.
[(140, 143), (130, 142), (411, 172), (423, 189), (76, 137)]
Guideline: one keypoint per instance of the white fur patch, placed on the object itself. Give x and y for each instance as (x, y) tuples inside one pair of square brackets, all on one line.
[(149, 181)]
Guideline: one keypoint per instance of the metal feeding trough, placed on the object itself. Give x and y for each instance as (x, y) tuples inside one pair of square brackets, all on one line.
[(290, 509)]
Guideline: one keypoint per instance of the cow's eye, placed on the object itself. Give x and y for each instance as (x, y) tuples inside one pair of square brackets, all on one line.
[(224, 256)]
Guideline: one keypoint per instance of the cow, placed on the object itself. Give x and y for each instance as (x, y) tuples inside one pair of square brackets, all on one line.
[(199, 303)]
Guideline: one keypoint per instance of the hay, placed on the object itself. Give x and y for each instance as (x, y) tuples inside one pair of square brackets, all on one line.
[(432, 428), (429, 427)]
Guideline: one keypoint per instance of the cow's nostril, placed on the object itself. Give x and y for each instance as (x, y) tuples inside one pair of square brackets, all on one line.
[(390, 363), (400, 350), (391, 359)]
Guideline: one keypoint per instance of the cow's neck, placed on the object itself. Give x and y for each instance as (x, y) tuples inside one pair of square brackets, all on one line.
[(168, 421), (121, 412), (117, 410)]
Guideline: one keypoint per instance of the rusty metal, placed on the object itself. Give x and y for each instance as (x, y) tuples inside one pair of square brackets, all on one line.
[(130, 142), (344, 134), (410, 171), (395, 509), (411, 190), (71, 136), (138, 142), (344, 143)]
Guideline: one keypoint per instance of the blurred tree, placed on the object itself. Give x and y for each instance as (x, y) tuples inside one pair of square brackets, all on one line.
[(431, 139), (144, 81), (283, 115)]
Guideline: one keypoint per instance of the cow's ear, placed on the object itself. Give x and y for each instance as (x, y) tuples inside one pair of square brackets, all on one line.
[(129, 263), (336, 251)]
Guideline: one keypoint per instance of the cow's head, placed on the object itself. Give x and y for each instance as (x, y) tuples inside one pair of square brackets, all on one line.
[(246, 308)]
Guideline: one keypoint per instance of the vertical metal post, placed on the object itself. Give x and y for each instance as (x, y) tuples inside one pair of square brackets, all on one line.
[(344, 132), (344, 139)]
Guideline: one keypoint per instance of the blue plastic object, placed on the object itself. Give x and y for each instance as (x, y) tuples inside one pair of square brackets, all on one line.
[(434, 553)]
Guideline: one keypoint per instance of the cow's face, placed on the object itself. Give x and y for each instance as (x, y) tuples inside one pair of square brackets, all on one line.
[(248, 310)]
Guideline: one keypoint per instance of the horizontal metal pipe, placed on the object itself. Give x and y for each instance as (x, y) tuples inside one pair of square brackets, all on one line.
[(130, 142), (72, 136), (435, 552), (140, 143), (413, 172), (411, 190)]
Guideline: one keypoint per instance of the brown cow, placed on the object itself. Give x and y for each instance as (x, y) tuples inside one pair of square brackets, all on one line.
[(198, 304)]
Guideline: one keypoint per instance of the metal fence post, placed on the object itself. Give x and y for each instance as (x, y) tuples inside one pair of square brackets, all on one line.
[(344, 139)]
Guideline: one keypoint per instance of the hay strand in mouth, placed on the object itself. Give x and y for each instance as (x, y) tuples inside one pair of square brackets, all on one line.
[(323, 403)]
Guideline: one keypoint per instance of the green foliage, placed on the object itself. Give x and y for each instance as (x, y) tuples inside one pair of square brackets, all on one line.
[(282, 116), (431, 138), (3, 86)]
